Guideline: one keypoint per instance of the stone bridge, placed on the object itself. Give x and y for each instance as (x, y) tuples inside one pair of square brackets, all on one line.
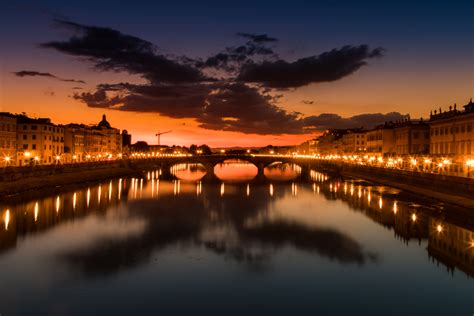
[(210, 161)]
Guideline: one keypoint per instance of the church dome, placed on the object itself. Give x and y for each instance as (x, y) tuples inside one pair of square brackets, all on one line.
[(104, 123)]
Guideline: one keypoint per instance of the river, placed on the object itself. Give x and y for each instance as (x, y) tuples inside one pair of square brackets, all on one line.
[(287, 246)]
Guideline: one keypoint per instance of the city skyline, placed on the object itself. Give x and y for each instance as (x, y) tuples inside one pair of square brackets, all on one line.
[(386, 67)]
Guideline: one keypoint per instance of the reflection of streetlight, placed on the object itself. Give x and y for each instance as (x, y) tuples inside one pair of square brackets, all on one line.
[(469, 164), (27, 154), (439, 228)]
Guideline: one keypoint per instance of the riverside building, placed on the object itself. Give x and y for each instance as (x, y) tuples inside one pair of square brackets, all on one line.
[(38, 141), (8, 127), (452, 137)]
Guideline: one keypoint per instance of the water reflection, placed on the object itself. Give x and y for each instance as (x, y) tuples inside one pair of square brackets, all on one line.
[(188, 171), (169, 221), (235, 170), (282, 171), (342, 223)]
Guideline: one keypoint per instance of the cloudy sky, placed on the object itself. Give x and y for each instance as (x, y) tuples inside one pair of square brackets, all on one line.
[(235, 73)]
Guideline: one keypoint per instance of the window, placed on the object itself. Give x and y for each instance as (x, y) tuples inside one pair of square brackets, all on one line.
[(33, 136), (24, 137), (34, 127), (25, 146), (33, 146)]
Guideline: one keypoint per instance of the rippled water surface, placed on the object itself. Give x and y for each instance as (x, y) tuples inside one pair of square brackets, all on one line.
[(284, 246)]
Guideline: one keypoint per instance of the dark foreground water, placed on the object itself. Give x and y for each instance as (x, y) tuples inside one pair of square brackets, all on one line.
[(328, 246)]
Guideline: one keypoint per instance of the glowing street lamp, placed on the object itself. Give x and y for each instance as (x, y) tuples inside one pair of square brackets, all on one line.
[(439, 228)]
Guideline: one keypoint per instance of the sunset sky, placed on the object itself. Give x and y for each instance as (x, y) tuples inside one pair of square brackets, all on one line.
[(237, 73)]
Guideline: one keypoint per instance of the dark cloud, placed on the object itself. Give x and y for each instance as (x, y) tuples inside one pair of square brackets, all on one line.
[(110, 50), (328, 66), (226, 106), (333, 121), (183, 87), (238, 107), (31, 73), (257, 38), (307, 102), (232, 58)]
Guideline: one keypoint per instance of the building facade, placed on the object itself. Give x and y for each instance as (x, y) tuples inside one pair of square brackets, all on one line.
[(354, 142), (381, 140), (38, 141), (93, 142), (452, 138), (412, 138), (8, 126)]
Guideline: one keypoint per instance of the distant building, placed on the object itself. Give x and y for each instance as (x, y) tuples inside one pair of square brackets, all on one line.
[(8, 126), (354, 142), (412, 138), (75, 142), (331, 141), (38, 141), (452, 132), (94, 142), (113, 138), (381, 140)]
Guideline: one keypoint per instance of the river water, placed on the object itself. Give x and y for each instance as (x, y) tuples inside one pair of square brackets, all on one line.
[(287, 246)]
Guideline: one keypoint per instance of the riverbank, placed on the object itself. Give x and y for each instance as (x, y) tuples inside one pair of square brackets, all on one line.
[(448, 189), (57, 178)]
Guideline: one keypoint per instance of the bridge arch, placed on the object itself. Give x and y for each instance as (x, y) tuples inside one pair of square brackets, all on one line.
[(188, 171), (236, 170)]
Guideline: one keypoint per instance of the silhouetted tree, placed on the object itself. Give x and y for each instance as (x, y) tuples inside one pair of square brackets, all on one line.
[(206, 150)]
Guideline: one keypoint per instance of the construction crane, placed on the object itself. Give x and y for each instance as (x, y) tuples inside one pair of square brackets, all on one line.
[(159, 135)]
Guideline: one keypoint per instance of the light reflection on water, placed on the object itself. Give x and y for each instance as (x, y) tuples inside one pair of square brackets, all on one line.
[(186, 246)]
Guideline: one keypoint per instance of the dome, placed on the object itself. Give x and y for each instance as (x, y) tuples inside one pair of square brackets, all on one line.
[(104, 123)]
